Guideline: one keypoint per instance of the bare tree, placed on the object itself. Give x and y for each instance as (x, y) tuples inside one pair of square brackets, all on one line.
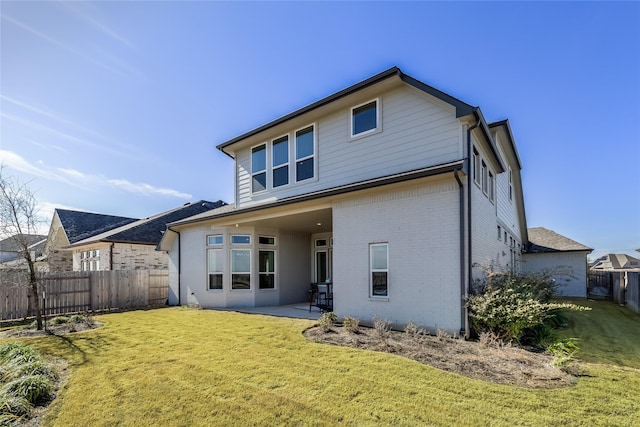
[(19, 219)]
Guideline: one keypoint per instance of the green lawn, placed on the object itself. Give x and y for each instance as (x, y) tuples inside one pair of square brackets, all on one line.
[(180, 367)]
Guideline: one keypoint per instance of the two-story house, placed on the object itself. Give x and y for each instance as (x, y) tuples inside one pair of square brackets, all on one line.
[(395, 192)]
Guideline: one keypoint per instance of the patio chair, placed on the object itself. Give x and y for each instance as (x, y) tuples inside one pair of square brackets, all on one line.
[(316, 296)]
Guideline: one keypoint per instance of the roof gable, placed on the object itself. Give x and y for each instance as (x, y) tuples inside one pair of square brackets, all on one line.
[(82, 225)]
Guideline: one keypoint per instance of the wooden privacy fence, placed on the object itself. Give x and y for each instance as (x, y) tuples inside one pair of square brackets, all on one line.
[(73, 292)]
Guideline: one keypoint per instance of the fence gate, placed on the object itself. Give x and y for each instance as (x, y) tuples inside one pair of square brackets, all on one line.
[(600, 285)]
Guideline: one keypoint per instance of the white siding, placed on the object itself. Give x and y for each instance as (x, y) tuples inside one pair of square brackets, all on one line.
[(569, 269), (417, 131), (421, 226)]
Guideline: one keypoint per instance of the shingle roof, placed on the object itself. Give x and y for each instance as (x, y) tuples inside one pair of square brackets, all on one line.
[(149, 230), (616, 262), (10, 244), (82, 225), (542, 240)]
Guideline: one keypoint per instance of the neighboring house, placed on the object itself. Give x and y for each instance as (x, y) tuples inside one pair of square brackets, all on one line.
[(616, 262), (564, 259), (69, 227), (132, 246), (11, 252), (11, 248), (394, 191)]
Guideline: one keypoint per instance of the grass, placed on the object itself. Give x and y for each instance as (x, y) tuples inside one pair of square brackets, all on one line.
[(181, 367), (609, 333)]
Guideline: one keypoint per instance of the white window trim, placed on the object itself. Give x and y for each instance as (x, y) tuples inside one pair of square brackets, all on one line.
[(272, 168), (314, 156), (265, 170), (372, 270), (375, 130), (510, 185)]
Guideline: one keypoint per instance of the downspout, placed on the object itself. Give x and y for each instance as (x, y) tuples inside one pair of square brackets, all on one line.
[(465, 294), (179, 268), (111, 256), (463, 310)]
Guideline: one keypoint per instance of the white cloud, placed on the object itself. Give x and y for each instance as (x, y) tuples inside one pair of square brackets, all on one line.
[(72, 173), (147, 189), (15, 161)]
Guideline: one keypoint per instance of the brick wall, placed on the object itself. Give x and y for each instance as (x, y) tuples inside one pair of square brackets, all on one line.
[(421, 226)]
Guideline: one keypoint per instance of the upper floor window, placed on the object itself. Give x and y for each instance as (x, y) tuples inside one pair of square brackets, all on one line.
[(491, 186), (476, 166), (259, 168), (280, 161), (510, 185), (305, 153), (364, 118), (485, 179)]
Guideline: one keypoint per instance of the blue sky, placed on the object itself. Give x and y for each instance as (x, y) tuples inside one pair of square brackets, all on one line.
[(116, 107)]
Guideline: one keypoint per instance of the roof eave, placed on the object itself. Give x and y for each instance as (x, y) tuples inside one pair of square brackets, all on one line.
[(462, 108)]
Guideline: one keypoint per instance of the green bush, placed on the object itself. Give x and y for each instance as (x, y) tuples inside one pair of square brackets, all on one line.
[(19, 353), (33, 388), (514, 306), (15, 405)]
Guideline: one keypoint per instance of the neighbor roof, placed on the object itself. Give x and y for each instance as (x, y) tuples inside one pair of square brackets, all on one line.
[(82, 225), (542, 240), (615, 262), (10, 244), (149, 230)]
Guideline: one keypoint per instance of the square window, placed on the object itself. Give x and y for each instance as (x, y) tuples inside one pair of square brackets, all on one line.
[(304, 169), (281, 176), (364, 118)]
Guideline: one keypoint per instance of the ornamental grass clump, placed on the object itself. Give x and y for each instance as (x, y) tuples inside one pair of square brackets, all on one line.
[(515, 307), (26, 380)]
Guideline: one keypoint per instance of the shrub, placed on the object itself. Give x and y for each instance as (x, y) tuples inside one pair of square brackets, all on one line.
[(511, 306), (327, 320), (563, 350), (382, 327), (14, 405), (19, 353), (33, 388), (59, 320), (351, 324)]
